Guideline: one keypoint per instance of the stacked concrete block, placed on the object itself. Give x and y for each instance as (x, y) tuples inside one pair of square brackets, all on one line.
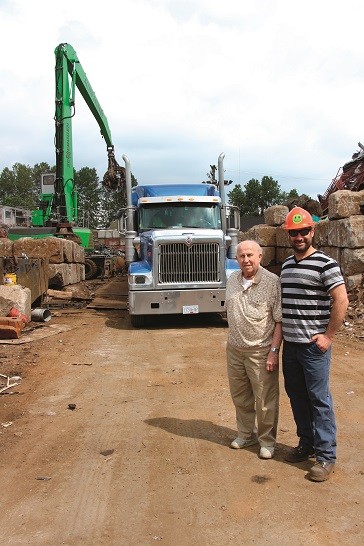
[(6, 248), (345, 203), (355, 283), (276, 215), (333, 251), (64, 259), (78, 254), (346, 232), (282, 254), (265, 236), (81, 271), (262, 234), (352, 261), (321, 238), (341, 236), (56, 250), (283, 248)]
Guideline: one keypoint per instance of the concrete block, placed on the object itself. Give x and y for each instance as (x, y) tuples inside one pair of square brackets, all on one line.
[(345, 203), (78, 254), (50, 248), (333, 251), (59, 275), (74, 273), (6, 248), (276, 215), (68, 250), (81, 272), (346, 233), (354, 282), (352, 261), (282, 253), (5, 306), (321, 236), (262, 234), (282, 238), (20, 296), (269, 255)]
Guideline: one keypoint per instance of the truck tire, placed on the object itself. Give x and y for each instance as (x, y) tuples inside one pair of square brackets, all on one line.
[(138, 321), (91, 269)]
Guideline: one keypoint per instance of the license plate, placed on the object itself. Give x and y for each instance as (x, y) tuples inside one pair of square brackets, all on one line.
[(190, 309)]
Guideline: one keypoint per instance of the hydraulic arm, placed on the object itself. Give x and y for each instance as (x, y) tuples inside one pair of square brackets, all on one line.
[(69, 74)]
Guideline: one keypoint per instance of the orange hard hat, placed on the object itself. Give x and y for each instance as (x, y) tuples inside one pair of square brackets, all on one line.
[(298, 218)]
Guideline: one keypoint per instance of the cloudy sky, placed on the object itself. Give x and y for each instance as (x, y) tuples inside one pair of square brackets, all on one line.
[(274, 84)]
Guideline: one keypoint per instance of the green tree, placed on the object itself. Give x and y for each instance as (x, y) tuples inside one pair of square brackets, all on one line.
[(236, 197), (256, 196), (89, 197), (18, 187), (113, 204), (288, 196)]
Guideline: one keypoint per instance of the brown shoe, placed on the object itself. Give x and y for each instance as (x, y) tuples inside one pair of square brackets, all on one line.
[(320, 472)]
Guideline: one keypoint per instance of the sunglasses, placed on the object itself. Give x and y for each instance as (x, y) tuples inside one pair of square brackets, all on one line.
[(294, 232)]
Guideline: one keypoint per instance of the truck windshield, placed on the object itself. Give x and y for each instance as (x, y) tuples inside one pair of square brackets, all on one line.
[(162, 216)]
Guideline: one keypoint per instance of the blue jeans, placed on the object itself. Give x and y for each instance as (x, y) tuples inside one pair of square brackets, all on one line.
[(306, 371)]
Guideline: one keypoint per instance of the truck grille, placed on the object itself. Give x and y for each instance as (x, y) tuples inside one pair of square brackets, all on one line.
[(180, 263)]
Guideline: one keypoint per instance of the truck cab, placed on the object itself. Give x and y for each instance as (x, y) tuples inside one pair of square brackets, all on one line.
[(181, 250)]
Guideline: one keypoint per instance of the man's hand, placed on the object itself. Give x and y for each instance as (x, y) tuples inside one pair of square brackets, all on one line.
[(322, 341), (272, 362)]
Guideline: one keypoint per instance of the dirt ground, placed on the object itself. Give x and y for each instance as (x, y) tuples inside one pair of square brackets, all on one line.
[(144, 456)]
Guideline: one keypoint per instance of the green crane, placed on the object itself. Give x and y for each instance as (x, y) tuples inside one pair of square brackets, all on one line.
[(59, 202)]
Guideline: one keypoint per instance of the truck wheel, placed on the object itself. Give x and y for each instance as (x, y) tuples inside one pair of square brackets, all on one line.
[(90, 269), (138, 321)]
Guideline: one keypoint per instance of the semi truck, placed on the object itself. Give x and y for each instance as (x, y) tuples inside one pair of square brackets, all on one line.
[(180, 247), (58, 210)]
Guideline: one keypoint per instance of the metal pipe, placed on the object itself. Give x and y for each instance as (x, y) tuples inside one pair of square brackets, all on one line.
[(222, 190), (130, 233)]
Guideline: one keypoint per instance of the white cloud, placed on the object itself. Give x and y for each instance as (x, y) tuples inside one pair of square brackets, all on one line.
[(275, 85)]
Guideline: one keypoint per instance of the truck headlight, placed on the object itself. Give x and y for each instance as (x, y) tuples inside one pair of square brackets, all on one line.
[(140, 279)]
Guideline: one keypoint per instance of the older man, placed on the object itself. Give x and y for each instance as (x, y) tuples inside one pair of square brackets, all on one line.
[(253, 300)]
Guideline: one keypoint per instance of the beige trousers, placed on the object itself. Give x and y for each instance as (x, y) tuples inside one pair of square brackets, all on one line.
[(255, 393)]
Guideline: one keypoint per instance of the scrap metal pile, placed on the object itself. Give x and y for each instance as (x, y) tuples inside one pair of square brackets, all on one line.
[(349, 177)]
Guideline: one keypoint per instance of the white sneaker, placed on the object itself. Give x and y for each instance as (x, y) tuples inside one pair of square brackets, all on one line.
[(266, 452), (239, 443)]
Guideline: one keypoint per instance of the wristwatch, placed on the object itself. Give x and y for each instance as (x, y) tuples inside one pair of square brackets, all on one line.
[(274, 350)]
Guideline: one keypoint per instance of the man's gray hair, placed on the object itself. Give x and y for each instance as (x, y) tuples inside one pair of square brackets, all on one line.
[(252, 243)]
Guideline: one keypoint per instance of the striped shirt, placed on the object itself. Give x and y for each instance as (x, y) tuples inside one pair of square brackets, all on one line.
[(305, 295)]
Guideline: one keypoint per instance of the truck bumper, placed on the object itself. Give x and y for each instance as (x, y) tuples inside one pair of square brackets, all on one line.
[(164, 302)]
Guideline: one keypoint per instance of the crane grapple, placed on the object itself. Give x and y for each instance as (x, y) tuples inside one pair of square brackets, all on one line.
[(114, 177)]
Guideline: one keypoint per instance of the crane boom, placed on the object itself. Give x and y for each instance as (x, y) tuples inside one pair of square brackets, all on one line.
[(69, 74), (57, 213)]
